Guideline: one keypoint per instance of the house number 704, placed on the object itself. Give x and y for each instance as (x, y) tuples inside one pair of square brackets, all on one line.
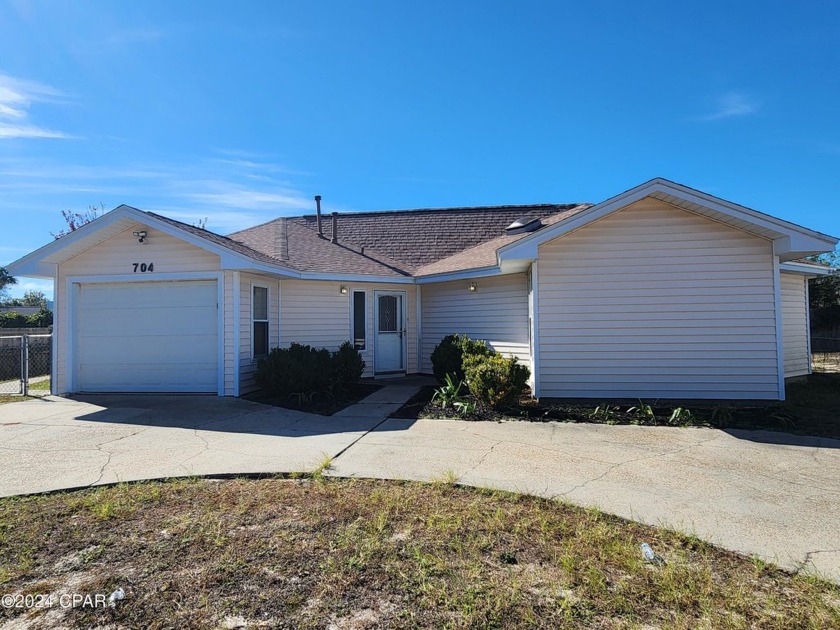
[(143, 267)]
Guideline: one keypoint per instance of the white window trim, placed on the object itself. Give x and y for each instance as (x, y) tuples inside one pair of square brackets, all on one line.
[(255, 285)]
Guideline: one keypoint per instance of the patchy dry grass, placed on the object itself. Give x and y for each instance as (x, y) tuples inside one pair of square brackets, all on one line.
[(826, 361), (367, 554), (13, 398)]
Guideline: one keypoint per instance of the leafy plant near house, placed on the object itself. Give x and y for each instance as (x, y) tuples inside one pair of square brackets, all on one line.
[(605, 412), (301, 372), (449, 396), (682, 416), (642, 413), (495, 380), (449, 355), (446, 395)]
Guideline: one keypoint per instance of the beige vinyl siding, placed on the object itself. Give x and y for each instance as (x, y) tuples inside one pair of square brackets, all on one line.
[(229, 343), (496, 312), (116, 256), (795, 333), (657, 302), (314, 312), (247, 362)]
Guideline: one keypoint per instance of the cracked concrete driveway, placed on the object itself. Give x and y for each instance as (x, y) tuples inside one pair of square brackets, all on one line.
[(54, 443), (769, 494)]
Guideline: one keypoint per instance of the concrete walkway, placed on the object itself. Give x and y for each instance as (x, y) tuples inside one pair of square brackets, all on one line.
[(769, 494)]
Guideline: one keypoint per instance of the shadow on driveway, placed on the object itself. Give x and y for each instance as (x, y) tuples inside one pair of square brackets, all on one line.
[(782, 439), (229, 415)]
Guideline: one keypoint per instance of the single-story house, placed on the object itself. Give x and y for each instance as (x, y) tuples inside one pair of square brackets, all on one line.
[(662, 291)]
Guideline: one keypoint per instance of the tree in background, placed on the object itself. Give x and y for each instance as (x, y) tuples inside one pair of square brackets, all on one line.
[(6, 280), (75, 220), (824, 296), (34, 298)]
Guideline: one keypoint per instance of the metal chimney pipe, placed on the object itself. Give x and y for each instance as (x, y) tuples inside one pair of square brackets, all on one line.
[(318, 214), (335, 227)]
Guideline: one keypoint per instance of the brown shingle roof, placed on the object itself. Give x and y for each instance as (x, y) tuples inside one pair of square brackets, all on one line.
[(420, 237), (484, 255), (396, 243)]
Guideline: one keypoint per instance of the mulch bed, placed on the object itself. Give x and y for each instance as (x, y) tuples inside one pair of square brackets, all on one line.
[(812, 408), (321, 404)]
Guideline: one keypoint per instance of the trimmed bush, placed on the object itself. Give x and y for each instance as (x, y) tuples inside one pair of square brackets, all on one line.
[(294, 370), (301, 369), (347, 365), (448, 356), (495, 380)]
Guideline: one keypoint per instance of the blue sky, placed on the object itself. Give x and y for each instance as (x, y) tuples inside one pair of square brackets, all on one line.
[(241, 112)]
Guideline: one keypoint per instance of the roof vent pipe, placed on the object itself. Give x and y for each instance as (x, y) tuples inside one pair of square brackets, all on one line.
[(318, 214), (335, 227)]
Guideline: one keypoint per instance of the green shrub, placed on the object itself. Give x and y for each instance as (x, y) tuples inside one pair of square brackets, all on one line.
[(298, 369), (13, 319), (347, 365), (301, 371), (448, 356), (495, 380)]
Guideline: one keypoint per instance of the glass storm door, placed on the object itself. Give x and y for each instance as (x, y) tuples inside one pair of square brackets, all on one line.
[(390, 332)]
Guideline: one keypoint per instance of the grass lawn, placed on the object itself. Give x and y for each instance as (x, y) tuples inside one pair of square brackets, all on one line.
[(40, 388), (812, 408), (358, 554)]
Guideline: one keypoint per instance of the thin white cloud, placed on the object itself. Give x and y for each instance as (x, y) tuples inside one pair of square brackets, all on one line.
[(16, 99), (731, 105), (230, 194)]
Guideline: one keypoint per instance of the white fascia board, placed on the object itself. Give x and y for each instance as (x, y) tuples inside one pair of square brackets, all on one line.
[(34, 264), (804, 269), (340, 277), (459, 275), (800, 239)]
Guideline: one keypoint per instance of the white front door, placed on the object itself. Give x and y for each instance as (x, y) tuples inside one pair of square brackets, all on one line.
[(389, 354)]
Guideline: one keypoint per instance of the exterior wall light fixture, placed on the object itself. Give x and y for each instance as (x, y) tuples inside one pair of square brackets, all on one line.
[(343, 290), (141, 236), (473, 287)]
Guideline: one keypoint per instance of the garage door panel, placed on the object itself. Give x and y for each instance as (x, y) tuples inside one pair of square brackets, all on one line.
[(115, 322), (130, 348), (154, 378), (187, 294), (148, 337)]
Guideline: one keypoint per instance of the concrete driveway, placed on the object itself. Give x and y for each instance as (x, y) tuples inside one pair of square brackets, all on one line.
[(54, 443), (769, 494)]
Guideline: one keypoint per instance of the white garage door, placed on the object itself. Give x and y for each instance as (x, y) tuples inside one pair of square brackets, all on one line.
[(147, 337)]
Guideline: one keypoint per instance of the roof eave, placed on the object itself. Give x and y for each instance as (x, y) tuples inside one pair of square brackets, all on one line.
[(805, 269), (41, 263), (790, 241)]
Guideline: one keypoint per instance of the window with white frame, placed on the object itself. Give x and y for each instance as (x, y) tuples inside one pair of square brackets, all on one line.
[(259, 315), (359, 320)]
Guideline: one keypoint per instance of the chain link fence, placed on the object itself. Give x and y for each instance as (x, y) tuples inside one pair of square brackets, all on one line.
[(825, 353), (25, 364)]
